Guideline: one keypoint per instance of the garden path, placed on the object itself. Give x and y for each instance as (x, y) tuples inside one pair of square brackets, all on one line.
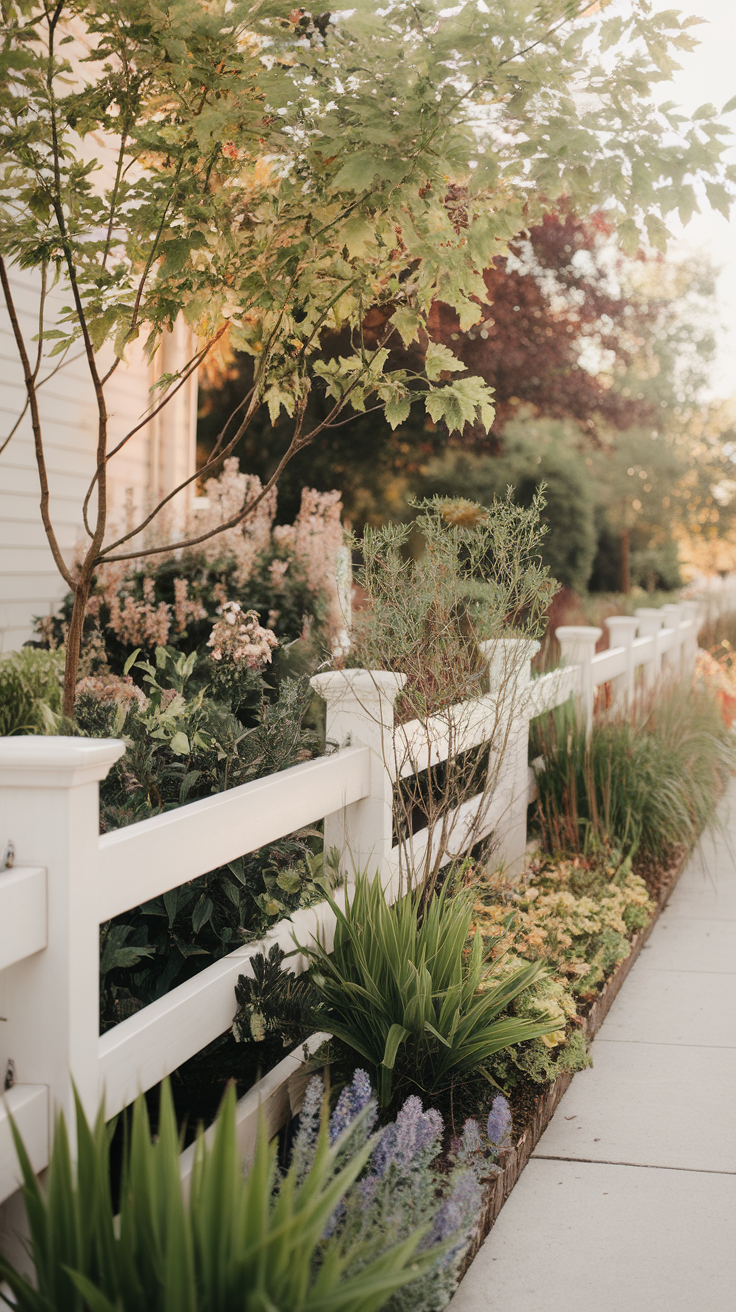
[(629, 1201)]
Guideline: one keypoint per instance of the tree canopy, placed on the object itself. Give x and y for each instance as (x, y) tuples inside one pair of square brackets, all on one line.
[(277, 174)]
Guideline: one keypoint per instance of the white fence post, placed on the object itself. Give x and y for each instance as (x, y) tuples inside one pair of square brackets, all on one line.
[(509, 678), (651, 621), (49, 808), (691, 611), (672, 619), (621, 633), (577, 645), (360, 709)]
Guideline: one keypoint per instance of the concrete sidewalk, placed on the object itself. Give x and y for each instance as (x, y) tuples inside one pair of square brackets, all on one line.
[(629, 1201)]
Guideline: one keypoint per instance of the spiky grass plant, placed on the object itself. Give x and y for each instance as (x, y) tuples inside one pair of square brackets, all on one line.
[(30, 691), (649, 779), (233, 1243), (400, 988)]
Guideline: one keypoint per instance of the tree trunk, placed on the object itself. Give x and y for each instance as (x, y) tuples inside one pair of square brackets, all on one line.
[(625, 581), (74, 640)]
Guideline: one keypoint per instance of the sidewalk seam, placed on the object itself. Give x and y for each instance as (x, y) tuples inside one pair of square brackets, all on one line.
[(641, 1166)]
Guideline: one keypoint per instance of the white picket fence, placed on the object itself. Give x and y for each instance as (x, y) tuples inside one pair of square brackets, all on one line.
[(67, 879)]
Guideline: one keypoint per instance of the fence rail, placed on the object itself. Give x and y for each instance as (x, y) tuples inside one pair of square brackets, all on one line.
[(69, 879)]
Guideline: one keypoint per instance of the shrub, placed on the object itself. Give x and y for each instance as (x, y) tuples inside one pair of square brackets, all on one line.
[(181, 746), (407, 1184), (400, 989), (30, 691), (650, 779), (232, 1242), (285, 573), (441, 618)]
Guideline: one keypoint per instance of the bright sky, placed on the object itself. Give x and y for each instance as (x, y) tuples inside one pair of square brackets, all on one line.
[(709, 74)]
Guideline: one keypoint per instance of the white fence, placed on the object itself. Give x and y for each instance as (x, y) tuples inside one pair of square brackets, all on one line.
[(68, 879)]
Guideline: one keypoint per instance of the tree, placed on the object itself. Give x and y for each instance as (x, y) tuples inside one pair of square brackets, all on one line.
[(572, 329), (278, 174)]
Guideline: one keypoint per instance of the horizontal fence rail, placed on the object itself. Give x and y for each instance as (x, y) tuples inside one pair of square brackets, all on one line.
[(147, 859), (69, 879)]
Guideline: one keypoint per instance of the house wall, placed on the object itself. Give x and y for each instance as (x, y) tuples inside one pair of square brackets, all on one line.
[(156, 458)]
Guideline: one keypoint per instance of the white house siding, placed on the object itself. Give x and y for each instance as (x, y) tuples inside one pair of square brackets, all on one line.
[(30, 585)]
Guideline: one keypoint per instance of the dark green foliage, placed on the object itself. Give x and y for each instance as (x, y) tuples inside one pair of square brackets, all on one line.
[(402, 990), (180, 747), (30, 691), (173, 937), (232, 1243), (273, 1001), (650, 779), (183, 745)]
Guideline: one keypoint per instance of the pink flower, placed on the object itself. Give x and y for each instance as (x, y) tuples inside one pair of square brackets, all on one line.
[(239, 637)]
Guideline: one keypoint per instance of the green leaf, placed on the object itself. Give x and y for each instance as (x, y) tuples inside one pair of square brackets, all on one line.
[(357, 173), (440, 359), (629, 236), (729, 106), (180, 744), (395, 1037), (720, 198), (202, 912), (398, 410), (358, 235), (171, 902), (131, 661), (408, 324), (656, 232)]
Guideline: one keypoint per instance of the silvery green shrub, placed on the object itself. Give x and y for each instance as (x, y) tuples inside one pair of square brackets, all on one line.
[(402, 1186)]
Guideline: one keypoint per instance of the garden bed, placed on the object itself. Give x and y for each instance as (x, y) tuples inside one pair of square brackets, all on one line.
[(279, 1092)]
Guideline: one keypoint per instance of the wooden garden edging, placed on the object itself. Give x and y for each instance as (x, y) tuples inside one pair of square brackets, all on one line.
[(516, 1158)]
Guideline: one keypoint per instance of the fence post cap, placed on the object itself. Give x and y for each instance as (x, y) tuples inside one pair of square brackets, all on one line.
[(622, 626), (578, 633), (358, 685), (526, 647), (37, 761)]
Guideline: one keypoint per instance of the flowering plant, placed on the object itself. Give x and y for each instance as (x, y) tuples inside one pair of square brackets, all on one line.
[(406, 1184), (238, 637), (281, 578)]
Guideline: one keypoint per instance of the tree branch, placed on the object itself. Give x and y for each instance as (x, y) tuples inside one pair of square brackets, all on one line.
[(297, 443), (31, 392)]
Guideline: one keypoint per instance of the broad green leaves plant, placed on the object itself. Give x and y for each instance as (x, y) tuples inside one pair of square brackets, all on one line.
[(401, 989), (275, 175), (233, 1243)]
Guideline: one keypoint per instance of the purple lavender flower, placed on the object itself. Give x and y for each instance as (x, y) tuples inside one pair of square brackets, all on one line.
[(353, 1099), (414, 1132), (499, 1125), (471, 1143), (457, 1216), (309, 1120)]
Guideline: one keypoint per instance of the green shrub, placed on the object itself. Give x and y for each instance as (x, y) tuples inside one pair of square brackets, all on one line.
[(400, 989), (231, 1243), (30, 691), (650, 779)]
